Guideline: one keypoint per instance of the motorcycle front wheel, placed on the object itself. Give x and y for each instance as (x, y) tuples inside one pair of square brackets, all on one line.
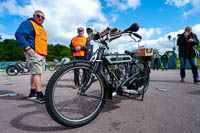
[(12, 70), (68, 104)]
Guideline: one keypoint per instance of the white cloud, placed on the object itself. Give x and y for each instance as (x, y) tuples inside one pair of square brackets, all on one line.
[(123, 4), (14, 9), (177, 3), (147, 33), (181, 3), (196, 30), (133, 3), (62, 18), (114, 17), (126, 43), (99, 26), (6, 36), (158, 31), (196, 8), (162, 43)]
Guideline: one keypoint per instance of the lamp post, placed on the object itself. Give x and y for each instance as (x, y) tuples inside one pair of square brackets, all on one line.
[(174, 48), (169, 37), (172, 55), (174, 40)]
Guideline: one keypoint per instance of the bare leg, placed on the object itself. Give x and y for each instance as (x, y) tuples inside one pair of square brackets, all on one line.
[(37, 82), (32, 83)]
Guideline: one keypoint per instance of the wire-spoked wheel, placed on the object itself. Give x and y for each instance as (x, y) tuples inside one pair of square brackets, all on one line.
[(52, 67), (71, 106), (12, 70)]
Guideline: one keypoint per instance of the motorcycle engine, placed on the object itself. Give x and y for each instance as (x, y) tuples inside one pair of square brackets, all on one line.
[(119, 66)]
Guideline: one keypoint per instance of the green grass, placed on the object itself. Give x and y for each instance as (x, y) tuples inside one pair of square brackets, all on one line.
[(198, 63)]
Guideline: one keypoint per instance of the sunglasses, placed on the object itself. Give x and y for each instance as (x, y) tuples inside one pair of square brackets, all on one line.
[(39, 16)]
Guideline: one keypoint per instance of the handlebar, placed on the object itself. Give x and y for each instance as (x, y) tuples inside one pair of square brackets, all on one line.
[(114, 33), (105, 32)]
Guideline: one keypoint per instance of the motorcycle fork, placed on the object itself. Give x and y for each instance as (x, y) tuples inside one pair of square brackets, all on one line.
[(87, 78)]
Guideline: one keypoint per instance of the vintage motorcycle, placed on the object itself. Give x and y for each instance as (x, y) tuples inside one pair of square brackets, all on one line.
[(18, 67), (99, 80), (57, 65)]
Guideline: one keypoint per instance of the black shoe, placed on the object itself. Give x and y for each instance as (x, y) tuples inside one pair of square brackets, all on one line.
[(182, 80), (196, 80), (40, 98), (32, 94)]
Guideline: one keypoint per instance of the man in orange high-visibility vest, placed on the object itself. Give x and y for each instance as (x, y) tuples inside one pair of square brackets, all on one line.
[(32, 38), (80, 47)]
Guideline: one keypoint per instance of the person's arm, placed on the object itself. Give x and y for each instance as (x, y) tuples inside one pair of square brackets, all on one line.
[(72, 48), (87, 47), (167, 58), (23, 33), (195, 40), (181, 40)]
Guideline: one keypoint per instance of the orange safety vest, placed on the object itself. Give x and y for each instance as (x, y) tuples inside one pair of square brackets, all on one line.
[(79, 41), (40, 39)]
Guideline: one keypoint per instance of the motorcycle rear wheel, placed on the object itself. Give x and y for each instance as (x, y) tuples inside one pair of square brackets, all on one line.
[(144, 77)]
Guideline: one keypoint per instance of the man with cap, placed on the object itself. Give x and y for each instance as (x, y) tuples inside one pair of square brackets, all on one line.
[(80, 46)]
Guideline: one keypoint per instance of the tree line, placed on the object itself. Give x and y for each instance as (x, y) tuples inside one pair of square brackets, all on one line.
[(11, 51)]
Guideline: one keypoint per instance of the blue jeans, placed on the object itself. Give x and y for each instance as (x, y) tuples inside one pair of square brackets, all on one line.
[(193, 65), (164, 66)]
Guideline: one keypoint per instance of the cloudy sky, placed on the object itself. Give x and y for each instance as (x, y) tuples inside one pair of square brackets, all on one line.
[(157, 19)]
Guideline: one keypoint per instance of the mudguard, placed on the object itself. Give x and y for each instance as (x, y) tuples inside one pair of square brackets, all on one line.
[(108, 87)]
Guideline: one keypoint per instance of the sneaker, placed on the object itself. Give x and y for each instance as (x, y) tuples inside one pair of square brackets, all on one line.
[(32, 94), (196, 80), (182, 80), (40, 98)]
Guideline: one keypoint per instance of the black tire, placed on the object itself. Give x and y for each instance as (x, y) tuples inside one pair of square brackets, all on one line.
[(52, 67), (145, 77), (63, 102), (12, 70)]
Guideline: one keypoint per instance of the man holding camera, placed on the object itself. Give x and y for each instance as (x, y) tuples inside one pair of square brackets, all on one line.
[(186, 43)]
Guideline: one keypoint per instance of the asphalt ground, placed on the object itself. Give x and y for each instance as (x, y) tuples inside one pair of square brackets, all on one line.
[(169, 106)]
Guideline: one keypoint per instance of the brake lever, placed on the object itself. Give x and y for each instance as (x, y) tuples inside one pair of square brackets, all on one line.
[(137, 35)]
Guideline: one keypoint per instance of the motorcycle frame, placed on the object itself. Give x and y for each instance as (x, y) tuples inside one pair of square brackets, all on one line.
[(98, 63)]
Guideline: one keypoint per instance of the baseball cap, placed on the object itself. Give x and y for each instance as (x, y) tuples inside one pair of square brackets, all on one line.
[(80, 29)]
